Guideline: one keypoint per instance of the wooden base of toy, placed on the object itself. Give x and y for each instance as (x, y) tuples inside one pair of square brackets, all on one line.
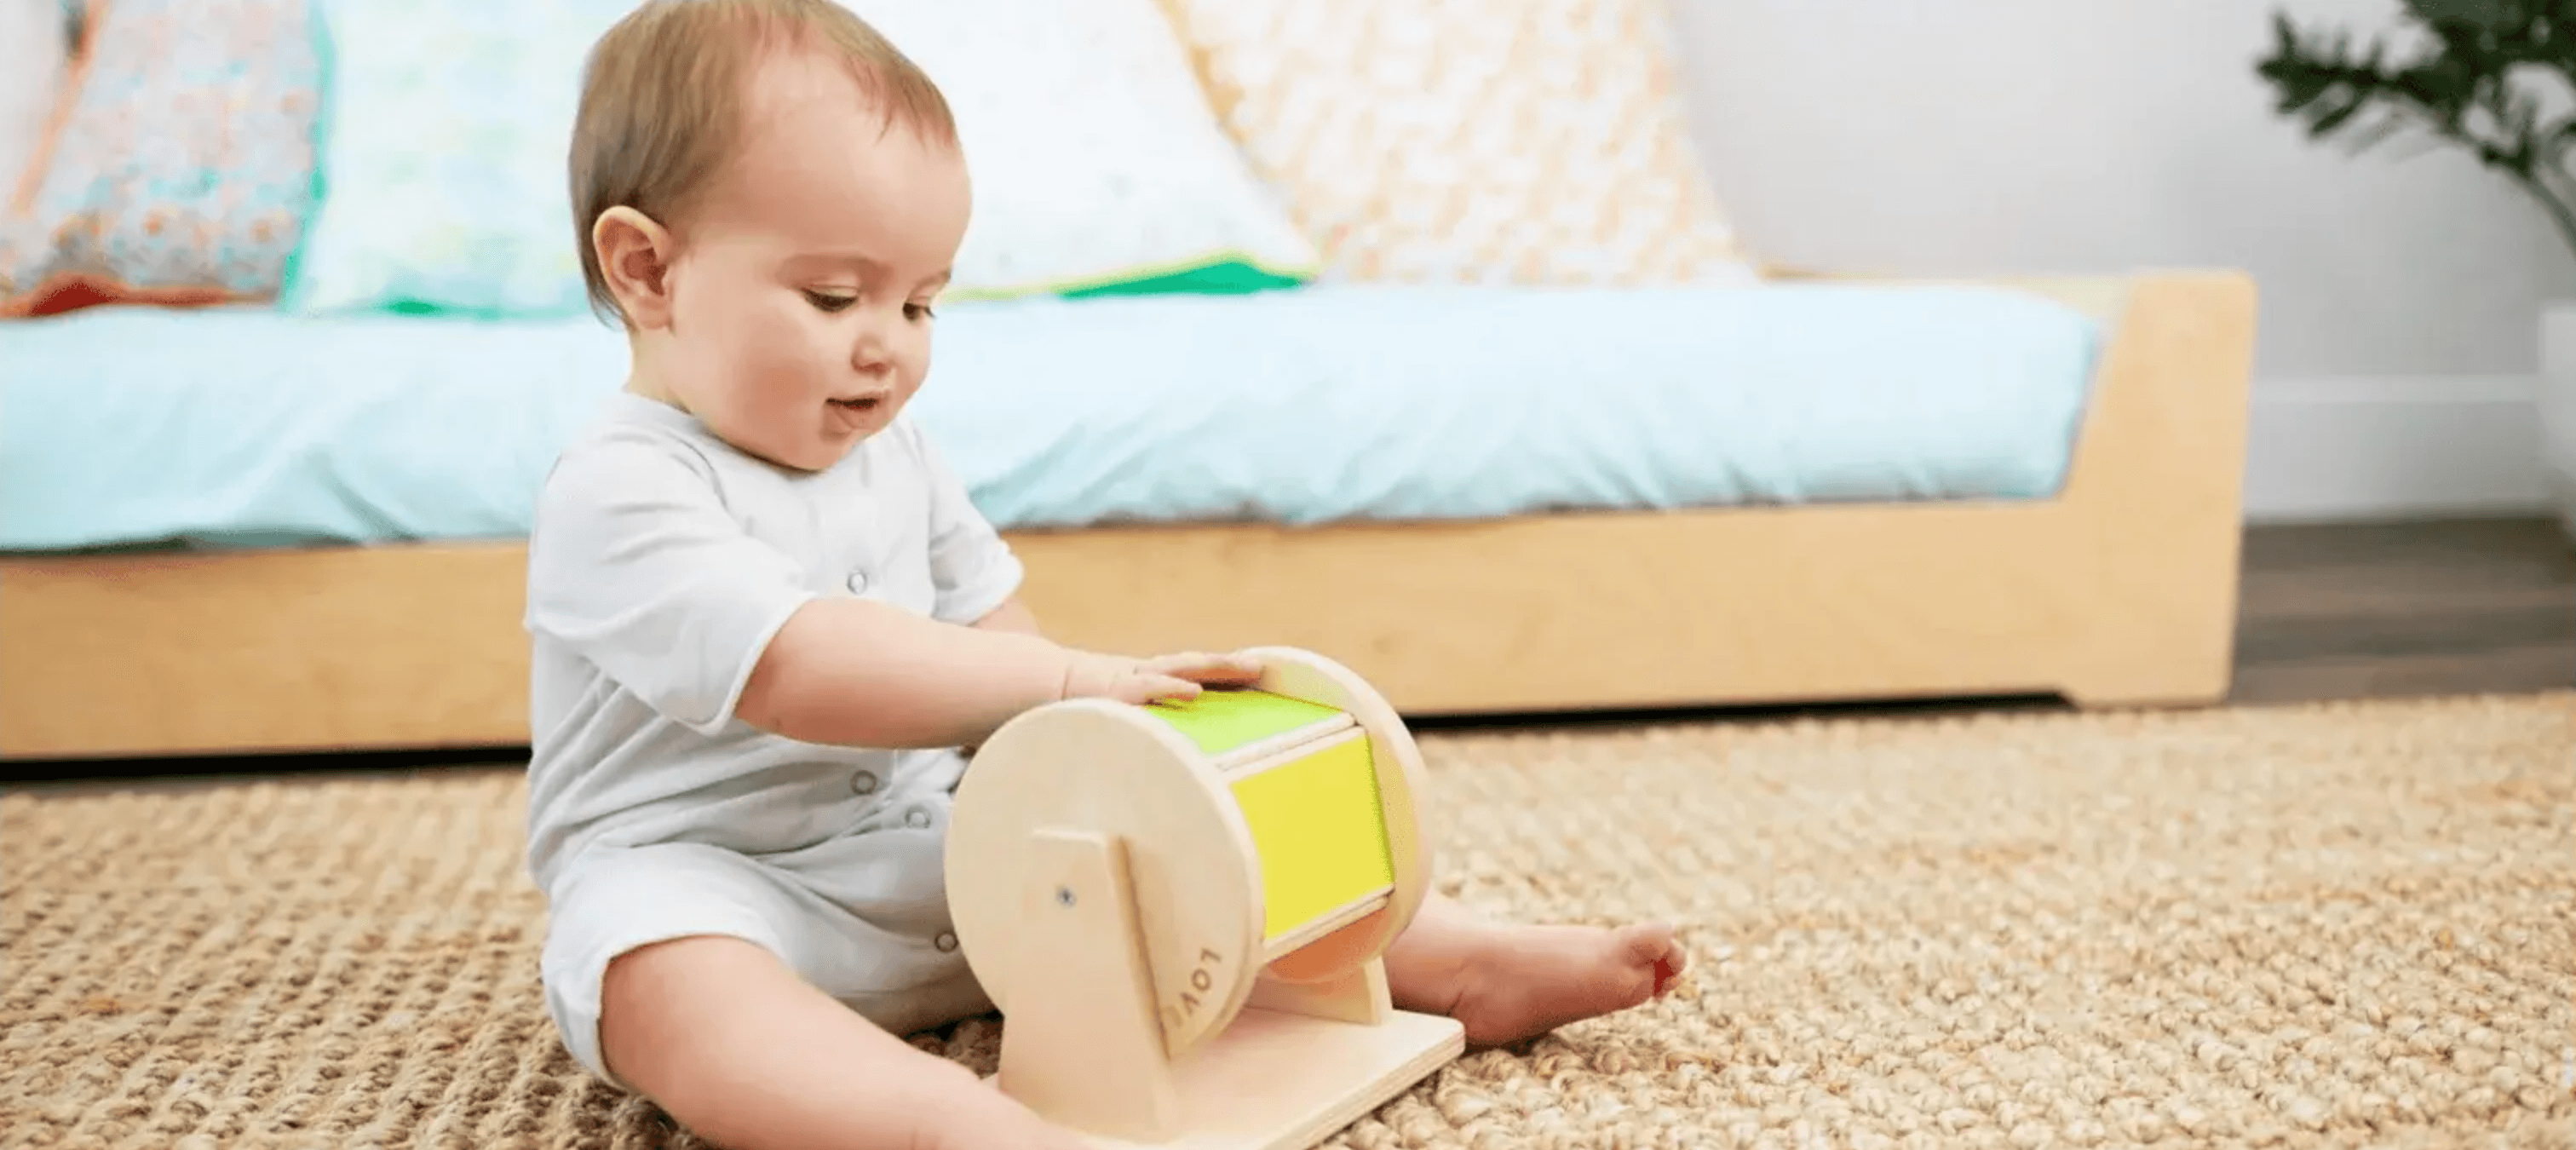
[(1294, 1065), (1279, 1081)]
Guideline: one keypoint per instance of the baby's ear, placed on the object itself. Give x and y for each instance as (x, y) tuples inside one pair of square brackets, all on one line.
[(635, 258)]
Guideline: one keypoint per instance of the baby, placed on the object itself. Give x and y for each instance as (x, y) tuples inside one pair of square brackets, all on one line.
[(766, 617)]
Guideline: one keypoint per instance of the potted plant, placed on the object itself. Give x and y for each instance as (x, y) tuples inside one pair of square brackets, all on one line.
[(2493, 77)]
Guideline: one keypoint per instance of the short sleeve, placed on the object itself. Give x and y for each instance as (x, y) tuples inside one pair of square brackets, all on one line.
[(972, 567), (635, 565)]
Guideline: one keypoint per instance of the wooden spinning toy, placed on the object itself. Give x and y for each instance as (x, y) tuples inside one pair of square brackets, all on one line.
[(1180, 909)]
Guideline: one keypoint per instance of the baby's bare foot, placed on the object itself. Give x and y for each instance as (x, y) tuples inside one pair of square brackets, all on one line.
[(1523, 981)]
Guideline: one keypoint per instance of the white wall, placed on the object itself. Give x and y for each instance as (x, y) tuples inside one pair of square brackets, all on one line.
[(2400, 294)]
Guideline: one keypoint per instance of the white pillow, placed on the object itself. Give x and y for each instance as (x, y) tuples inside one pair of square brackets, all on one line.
[(1098, 164), (1097, 161), (33, 53)]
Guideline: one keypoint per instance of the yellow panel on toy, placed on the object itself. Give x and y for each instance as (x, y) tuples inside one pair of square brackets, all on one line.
[(1181, 909), (1321, 837)]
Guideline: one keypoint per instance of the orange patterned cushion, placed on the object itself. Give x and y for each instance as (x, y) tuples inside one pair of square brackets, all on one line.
[(182, 168), (1530, 141)]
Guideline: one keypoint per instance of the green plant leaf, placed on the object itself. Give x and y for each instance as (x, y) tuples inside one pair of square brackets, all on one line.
[(2475, 85)]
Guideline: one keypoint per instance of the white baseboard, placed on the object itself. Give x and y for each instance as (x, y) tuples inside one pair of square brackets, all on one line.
[(2369, 447)]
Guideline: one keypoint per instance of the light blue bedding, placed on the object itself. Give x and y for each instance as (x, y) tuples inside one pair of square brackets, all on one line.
[(240, 427)]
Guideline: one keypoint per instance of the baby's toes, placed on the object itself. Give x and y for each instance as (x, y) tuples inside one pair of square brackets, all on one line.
[(1653, 948), (1647, 944)]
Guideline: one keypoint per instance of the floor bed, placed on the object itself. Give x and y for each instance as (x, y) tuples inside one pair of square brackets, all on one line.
[(2116, 588)]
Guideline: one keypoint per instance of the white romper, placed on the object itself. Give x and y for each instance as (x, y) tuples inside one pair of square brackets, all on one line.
[(660, 562)]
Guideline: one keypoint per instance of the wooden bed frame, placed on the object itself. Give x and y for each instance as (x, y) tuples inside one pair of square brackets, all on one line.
[(2121, 590)]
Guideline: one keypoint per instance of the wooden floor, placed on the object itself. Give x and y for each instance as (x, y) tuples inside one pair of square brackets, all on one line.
[(2327, 612), (2393, 610)]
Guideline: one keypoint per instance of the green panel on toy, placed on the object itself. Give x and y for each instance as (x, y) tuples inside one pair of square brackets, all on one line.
[(1221, 720)]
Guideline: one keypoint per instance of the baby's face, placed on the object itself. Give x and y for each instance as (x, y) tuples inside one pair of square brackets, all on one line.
[(801, 292)]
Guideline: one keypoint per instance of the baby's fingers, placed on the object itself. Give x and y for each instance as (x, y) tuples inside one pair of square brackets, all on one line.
[(1201, 667), (1147, 687)]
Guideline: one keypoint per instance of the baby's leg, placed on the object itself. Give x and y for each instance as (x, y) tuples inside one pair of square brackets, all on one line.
[(687, 973), (1507, 982), (739, 1049)]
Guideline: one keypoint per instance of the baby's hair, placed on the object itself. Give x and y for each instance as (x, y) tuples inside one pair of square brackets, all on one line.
[(663, 92)]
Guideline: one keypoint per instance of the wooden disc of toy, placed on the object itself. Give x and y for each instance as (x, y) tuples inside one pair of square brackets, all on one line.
[(1271, 830), (1099, 766)]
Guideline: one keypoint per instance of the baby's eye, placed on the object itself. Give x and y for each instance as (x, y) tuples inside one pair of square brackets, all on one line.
[(916, 312), (829, 302)]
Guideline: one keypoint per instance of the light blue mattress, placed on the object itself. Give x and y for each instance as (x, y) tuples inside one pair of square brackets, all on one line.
[(135, 426)]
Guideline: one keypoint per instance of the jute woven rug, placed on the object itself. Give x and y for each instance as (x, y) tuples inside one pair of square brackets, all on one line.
[(2332, 925)]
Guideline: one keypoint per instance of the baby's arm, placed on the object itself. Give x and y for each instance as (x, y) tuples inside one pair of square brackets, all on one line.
[(1013, 617), (857, 672), (854, 672)]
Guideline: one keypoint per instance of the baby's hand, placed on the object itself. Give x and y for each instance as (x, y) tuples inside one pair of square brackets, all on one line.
[(1142, 681)]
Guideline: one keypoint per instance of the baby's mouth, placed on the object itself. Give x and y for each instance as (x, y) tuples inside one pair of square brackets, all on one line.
[(861, 405)]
